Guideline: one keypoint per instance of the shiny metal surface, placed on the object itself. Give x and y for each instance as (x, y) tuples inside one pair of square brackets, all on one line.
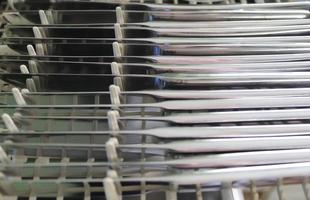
[(144, 100)]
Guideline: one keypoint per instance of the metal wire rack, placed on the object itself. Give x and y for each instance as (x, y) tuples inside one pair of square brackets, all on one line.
[(63, 138)]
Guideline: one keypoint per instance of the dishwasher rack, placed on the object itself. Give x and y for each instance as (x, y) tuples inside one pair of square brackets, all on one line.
[(154, 100)]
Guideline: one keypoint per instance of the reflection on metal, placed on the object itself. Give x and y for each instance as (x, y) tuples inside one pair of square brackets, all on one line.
[(155, 99)]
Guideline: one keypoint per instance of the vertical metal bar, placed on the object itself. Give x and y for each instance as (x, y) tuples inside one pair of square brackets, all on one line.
[(306, 188), (254, 194), (199, 192), (280, 190), (230, 193)]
